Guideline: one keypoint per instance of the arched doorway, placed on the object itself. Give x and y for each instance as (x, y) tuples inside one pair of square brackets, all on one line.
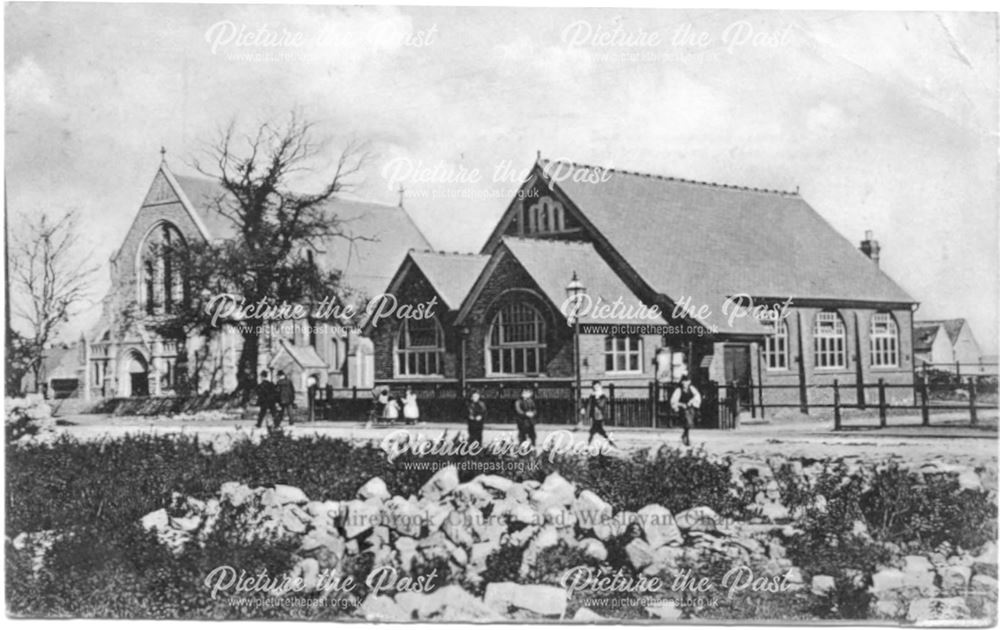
[(135, 375)]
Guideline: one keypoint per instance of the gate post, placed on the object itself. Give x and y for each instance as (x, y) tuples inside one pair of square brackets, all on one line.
[(611, 402), (836, 405), (881, 403), (925, 414), (653, 407), (734, 402), (972, 401)]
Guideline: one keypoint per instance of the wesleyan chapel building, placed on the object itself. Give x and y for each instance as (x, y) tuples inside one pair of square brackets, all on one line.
[(125, 356), (644, 240)]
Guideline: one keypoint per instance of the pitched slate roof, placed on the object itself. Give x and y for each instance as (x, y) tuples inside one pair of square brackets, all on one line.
[(709, 241), (924, 334), (379, 235), (551, 265), (951, 326), (62, 361), (204, 195), (451, 274), (304, 356)]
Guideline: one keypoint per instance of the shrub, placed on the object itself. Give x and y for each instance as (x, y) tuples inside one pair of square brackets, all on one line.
[(502, 565), (107, 566), (900, 509), (553, 562), (26, 417)]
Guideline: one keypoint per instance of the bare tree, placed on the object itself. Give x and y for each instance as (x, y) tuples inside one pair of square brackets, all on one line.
[(51, 277), (276, 226)]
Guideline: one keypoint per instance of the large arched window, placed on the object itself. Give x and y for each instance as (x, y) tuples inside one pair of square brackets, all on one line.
[(419, 348), (884, 336), (161, 282), (776, 346), (516, 341), (829, 341)]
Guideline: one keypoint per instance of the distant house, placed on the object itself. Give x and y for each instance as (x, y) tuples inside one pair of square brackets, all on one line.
[(636, 240), (61, 372), (946, 344)]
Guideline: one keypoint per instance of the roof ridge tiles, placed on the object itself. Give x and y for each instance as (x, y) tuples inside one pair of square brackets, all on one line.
[(442, 252), (768, 191), (559, 241)]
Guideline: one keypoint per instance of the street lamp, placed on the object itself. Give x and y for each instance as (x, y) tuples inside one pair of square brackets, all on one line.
[(574, 292)]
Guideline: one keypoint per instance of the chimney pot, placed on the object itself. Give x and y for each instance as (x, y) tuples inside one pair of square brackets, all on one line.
[(870, 247)]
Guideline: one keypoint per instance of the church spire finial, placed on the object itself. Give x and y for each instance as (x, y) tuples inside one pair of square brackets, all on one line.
[(163, 153), (401, 191)]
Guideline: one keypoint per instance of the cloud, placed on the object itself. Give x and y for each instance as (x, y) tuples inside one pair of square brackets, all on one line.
[(887, 120), (826, 120), (29, 87)]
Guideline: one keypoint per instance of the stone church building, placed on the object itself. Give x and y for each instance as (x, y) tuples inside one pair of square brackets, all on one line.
[(124, 356)]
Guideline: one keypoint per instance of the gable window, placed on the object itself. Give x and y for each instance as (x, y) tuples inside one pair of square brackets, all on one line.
[(161, 277), (829, 341), (516, 341), (622, 354), (776, 347), (884, 336), (419, 348), (545, 216)]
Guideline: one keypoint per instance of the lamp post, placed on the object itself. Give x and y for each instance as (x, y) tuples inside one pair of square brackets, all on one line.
[(574, 291)]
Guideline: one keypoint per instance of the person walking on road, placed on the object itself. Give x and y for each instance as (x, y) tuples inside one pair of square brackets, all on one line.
[(686, 400), (596, 410)]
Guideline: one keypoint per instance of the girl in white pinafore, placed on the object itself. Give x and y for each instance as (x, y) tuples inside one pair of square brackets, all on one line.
[(411, 413), (391, 412)]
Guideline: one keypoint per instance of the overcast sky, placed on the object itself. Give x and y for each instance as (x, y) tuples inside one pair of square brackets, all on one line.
[(885, 121)]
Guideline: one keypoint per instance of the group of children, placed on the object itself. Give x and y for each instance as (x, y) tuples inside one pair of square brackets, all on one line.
[(596, 409), (388, 408)]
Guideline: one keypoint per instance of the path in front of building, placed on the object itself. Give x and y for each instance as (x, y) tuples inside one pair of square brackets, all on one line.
[(813, 438)]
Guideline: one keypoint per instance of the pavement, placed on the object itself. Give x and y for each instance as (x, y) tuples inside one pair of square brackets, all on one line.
[(950, 439)]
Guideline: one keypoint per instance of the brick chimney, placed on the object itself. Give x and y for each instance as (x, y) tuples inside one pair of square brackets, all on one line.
[(870, 247)]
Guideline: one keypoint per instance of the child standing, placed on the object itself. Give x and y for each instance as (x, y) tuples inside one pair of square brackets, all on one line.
[(380, 398), (596, 409), (411, 412), (476, 413), (391, 411), (526, 410)]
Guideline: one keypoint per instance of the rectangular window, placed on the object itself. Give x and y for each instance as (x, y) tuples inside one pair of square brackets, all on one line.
[(623, 354), (776, 347), (419, 347), (829, 341), (884, 341)]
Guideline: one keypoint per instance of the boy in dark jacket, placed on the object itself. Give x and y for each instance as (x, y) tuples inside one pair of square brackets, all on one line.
[(686, 401), (597, 409), (266, 398), (286, 399), (476, 413), (525, 409)]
